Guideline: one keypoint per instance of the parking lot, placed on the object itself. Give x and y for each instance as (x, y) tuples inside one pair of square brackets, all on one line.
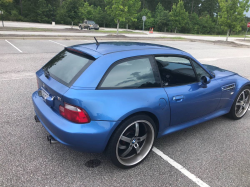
[(214, 153)]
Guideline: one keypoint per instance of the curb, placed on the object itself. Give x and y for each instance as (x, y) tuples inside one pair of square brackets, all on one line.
[(118, 38)]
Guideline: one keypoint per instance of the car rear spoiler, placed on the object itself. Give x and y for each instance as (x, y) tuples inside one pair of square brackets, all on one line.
[(84, 51)]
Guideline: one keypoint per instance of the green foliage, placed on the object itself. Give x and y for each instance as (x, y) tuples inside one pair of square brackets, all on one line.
[(5, 6), (206, 24), (161, 18), (194, 23), (86, 11), (186, 16), (149, 23), (123, 10), (43, 11), (192, 6), (117, 9), (14, 15), (99, 15), (209, 6), (133, 7), (152, 4), (178, 16), (231, 16)]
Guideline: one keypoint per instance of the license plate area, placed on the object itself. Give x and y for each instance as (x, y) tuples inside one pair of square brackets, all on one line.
[(43, 93)]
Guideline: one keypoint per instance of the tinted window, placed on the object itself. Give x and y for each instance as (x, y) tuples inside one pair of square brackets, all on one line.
[(66, 67), (135, 73), (200, 71), (91, 22), (175, 71)]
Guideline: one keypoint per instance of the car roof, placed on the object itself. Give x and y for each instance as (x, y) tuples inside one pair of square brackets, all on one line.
[(105, 48)]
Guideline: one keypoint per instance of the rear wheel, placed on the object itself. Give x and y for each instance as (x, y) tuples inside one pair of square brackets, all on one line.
[(132, 141), (241, 104)]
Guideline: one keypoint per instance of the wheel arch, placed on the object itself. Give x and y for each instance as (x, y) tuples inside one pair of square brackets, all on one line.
[(239, 87), (150, 114)]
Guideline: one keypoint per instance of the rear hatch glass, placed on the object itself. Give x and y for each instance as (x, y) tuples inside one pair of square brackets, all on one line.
[(67, 66)]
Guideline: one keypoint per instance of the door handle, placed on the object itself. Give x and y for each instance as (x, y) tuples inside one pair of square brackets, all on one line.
[(178, 98)]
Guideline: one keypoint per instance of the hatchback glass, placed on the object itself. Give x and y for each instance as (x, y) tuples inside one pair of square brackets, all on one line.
[(66, 67)]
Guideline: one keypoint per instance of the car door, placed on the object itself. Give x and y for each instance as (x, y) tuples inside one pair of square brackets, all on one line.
[(181, 80)]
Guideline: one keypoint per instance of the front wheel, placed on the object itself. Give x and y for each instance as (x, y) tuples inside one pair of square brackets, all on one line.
[(241, 104), (80, 27), (132, 141)]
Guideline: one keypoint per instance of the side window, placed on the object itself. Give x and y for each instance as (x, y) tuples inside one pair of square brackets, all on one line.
[(175, 71), (200, 71), (136, 73)]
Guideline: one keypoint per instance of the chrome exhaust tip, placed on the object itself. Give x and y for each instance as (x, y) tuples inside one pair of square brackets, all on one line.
[(51, 139), (36, 118)]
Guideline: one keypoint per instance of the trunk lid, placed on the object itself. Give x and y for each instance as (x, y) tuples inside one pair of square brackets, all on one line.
[(54, 89)]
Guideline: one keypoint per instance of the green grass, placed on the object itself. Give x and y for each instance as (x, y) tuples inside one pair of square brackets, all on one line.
[(232, 36), (174, 37), (24, 29), (120, 32)]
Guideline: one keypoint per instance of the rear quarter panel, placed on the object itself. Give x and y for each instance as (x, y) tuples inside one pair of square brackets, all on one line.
[(116, 105)]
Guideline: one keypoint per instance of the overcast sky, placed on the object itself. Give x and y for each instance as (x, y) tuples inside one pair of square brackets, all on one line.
[(248, 14)]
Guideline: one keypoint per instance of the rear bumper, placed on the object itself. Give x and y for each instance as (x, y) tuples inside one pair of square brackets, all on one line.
[(93, 27), (90, 137)]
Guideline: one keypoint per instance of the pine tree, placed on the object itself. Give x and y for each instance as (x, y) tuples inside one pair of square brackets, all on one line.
[(178, 16)]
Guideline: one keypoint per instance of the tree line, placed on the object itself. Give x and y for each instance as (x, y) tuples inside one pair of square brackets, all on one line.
[(182, 16)]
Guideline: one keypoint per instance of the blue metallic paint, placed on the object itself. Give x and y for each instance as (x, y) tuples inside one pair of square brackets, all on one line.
[(197, 101), (91, 137), (107, 108)]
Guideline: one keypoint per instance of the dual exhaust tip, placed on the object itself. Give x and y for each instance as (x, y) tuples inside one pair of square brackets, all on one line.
[(50, 138)]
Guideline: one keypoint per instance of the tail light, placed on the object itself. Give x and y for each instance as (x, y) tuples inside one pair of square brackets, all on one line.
[(74, 114)]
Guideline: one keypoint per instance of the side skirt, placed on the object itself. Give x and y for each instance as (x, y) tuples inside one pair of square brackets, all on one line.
[(172, 129)]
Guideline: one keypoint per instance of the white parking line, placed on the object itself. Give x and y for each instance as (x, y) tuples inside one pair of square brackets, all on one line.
[(14, 46), (180, 168), (57, 43)]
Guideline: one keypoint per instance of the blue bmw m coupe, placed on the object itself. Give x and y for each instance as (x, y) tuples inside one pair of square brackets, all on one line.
[(118, 97)]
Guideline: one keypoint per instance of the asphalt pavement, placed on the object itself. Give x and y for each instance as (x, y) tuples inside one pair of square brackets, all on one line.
[(216, 152)]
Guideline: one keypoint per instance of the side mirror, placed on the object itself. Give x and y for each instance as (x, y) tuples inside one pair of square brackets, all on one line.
[(204, 81)]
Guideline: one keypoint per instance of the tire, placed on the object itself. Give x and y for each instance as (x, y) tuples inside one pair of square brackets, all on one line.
[(80, 27), (241, 102), (88, 28), (132, 141)]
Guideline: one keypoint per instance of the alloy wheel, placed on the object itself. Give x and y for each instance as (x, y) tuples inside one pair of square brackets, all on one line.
[(135, 142), (242, 103)]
